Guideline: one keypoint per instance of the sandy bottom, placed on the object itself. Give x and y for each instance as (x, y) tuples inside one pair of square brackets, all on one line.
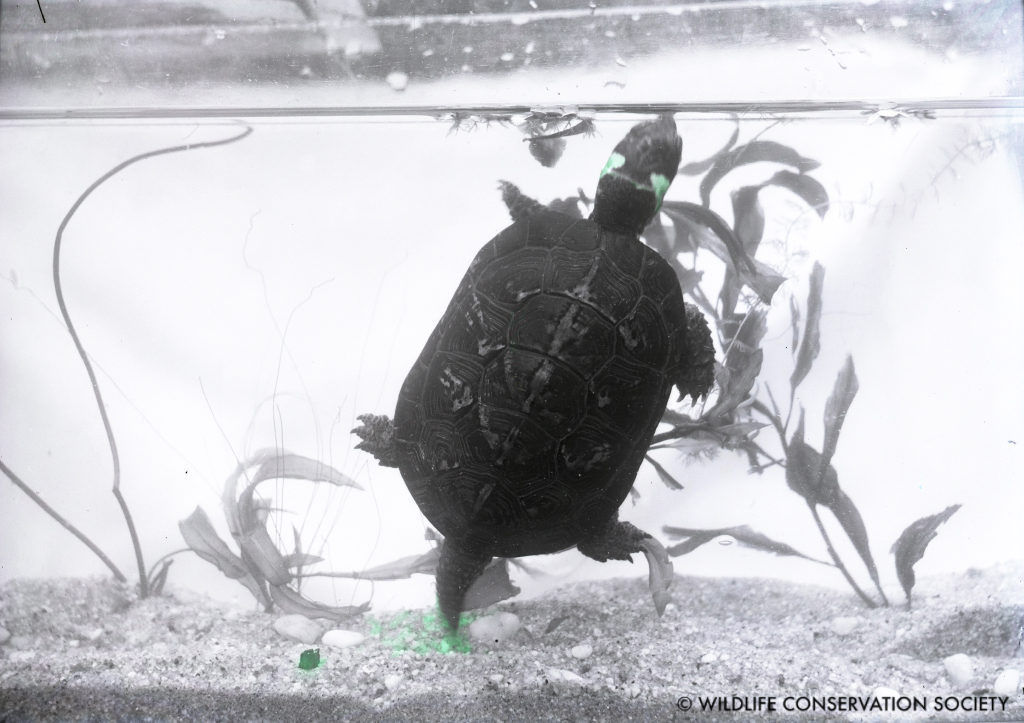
[(87, 649)]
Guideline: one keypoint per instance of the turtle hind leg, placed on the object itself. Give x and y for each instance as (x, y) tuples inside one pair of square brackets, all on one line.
[(618, 541), (457, 569), (378, 434)]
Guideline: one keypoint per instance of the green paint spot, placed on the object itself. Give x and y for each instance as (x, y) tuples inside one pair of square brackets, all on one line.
[(309, 659), (615, 160), (425, 634), (660, 185)]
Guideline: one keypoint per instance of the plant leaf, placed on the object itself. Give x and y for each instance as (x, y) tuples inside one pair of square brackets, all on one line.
[(704, 218), (301, 559), (748, 215), (811, 343), (843, 392), (204, 541), (740, 429), (753, 152), (740, 382), (199, 535), (748, 225), (742, 534), (853, 525), (806, 475), (671, 416), (657, 237), (817, 482), (671, 482), (156, 585), (425, 564), (698, 167), (808, 189), (260, 551), (493, 586), (911, 544), (708, 230), (292, 602), (794, 321), (660, 572), (295, 466)]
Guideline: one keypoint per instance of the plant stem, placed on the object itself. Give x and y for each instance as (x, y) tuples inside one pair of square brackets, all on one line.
[(166, 557), (20, 484), (57, 245), (772, 461), (697, 294), (775, 421), (835, 558)]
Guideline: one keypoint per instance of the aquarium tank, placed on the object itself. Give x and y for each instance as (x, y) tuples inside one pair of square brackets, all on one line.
[(725, 422)]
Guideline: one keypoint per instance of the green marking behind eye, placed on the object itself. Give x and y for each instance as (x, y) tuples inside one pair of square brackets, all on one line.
[(615, 160), (660, 185)]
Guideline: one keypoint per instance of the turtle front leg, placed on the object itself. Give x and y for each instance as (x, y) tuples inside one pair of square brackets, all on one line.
[(696, 373), (618, 541), (378, 434)]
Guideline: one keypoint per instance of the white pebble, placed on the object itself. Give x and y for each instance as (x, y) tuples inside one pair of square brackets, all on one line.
[(581, 651), (342, 638), (298, 627), (397, 80), (1007, 682), (494, 628), (393, 682), (959, 668), (708, 658), (496, 677), (507, 57), (844, 626), (557, 675)]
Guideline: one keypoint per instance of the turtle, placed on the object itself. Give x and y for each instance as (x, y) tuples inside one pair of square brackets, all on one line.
[(522, 424)]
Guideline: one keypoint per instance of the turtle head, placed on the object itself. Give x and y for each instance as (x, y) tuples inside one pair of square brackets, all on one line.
[(639, 171)]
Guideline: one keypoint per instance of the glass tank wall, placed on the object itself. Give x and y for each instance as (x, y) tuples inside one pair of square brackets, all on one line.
[(309, 182)]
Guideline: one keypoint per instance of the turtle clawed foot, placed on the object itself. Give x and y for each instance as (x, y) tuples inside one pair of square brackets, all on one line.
[(618, 542), (378, 434)]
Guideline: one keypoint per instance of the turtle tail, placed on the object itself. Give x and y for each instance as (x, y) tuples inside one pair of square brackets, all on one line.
[(697, 373), (457, 569)]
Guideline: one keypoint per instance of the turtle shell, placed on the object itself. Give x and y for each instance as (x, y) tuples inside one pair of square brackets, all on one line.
[(521, 426)]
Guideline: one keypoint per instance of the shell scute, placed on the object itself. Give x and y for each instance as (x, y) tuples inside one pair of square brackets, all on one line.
[(549, 229), (620, 394), (451, 385), (514, 276), (535, 387), (644, 336), (626, 252), (565, 329), (517, 444), (593, 279), (589, 457), (659, 281), (473, 325)]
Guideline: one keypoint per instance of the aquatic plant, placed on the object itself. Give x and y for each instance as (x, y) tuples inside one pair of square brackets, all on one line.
[(740, 411), (264, 570), (152, 580)]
